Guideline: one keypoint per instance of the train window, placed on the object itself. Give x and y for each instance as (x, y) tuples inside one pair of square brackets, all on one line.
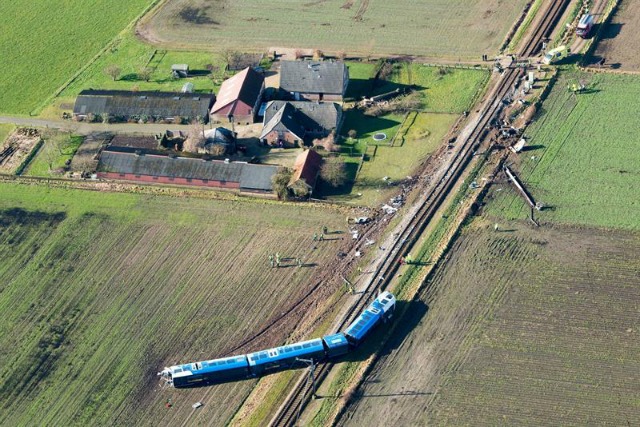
[(230, 362), (307, 345)]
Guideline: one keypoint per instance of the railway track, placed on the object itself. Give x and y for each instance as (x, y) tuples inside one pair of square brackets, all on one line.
[(289, 411)]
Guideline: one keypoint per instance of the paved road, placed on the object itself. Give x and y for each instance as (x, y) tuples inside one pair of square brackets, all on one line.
[(81, 128)]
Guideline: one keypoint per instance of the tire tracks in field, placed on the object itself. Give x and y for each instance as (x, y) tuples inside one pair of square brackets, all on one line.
[(364, 6)]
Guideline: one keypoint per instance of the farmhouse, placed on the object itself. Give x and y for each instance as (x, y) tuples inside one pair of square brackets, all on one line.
[(317, 81), (294, 123), (239, 98), (120, 105), (305, 171), (151, 168)]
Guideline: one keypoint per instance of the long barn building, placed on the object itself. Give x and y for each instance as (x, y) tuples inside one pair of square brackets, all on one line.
[(151, 168)]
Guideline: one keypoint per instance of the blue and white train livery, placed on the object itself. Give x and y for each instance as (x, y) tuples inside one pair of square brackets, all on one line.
[(263, 362)]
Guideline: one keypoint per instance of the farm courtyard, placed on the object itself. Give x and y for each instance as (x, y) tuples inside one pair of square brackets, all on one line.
[(454, 29), (99, 291)]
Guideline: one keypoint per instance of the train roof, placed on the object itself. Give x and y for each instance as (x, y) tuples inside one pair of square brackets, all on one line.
[(207, 366), (363, 324), (385, 301), (335, 340), (300, 349)]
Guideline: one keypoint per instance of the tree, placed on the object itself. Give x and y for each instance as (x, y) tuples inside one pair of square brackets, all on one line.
[(352, 133), (328, 143), (334, 172), (52, 149), (145, 74), (280, 182), (318, 55), (341, 55), (232, 57), (113, 71), (300, 188), (195, 139), (299, 54)]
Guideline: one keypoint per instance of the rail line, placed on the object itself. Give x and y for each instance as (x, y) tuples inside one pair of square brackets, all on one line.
[(289, 411)]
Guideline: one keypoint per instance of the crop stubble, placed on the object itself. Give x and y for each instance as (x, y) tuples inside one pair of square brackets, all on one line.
[(94, 304), (453, 29)]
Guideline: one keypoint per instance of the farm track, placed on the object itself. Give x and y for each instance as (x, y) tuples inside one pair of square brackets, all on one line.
[(434, 198)]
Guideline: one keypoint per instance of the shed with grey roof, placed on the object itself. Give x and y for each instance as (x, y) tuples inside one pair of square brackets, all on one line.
[(241, 176), (313, 80), (122, 105)]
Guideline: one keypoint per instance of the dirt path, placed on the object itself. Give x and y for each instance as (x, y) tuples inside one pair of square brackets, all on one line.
[(579, 44)]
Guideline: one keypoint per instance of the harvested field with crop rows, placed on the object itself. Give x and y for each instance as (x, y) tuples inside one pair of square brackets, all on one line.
[(524, 327), (99, 291), (444, 28)]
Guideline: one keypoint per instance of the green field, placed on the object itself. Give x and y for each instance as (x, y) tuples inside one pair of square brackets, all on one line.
[(57, 149), (44, 43), (458, 29), (99, 291), (5, 130), (584, 161)]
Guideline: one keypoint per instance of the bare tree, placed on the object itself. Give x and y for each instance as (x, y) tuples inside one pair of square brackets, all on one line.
[(298, 54), (334, 171), (113, 71), (352, 133), (328, 143), (341, 55), (145, 74), (217, 149), (318, 55), (195, 139), (232, 57), (52, 150)]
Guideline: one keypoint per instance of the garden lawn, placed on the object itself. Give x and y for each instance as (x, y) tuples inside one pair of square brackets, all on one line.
[(54, 154), (584, 161), (43, 43)]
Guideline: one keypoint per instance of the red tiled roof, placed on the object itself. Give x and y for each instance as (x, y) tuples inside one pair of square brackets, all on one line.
[(306, 167), (244, 86)]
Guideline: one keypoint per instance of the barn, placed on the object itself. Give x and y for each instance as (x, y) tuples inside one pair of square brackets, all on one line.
[(239, 98), (151, 168), (119, 105), (305, 171), (296, 123), (314, 81)]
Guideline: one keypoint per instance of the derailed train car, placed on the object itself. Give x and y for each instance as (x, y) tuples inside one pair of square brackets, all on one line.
[(276, 359)]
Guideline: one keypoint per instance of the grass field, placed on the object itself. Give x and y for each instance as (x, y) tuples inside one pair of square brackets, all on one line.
[(101, 290), (453, 29), (523, 327), (44, 43), (132, 56), (583, 162), (5, 130)]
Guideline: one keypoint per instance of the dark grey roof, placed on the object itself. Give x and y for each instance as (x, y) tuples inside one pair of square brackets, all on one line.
[(161, 104), (250, 176), (301, 116), (327, 77)]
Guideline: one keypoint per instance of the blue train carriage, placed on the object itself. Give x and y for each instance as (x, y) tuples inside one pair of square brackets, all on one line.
[(336, 345), (379, 310), (285, 357), (208, 372)]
